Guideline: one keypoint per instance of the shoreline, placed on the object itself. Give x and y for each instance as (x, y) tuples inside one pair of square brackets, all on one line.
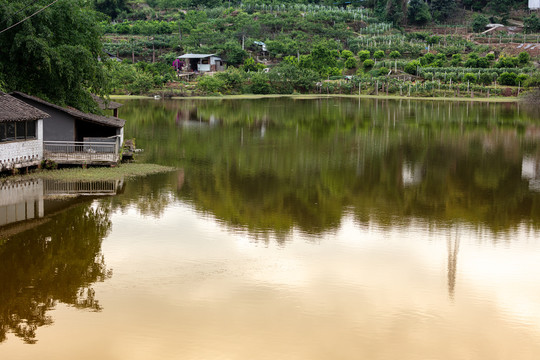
[(123, 171), (327, 96)]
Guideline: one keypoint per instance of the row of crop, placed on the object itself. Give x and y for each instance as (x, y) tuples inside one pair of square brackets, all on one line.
[(510, 78), (139, 47), (140, 27), (493, 71), (306, 8), (509, 38)]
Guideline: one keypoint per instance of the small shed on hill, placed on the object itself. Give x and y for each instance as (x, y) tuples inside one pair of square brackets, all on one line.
[(21, 133), (71, 136), (203, 62)]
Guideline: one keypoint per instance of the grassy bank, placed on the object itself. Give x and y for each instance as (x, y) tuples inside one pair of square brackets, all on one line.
[(492, 99), (125, 171)]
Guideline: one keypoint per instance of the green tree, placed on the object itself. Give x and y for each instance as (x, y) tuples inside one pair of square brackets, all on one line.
[(418, 12), (110, 7), (394, 11), (233, 53), (531, 24), (500, 7), (479, 23), (53, 55), (442, 9), (322, 58)]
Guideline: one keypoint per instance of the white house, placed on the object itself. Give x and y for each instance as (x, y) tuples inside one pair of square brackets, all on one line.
[(534, 4), (21, 133), (203, 62)]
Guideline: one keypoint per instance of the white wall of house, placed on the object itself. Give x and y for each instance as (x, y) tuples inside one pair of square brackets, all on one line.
[(120, 132), (534, 4), (203, 67), (17, 154), (21, 201)]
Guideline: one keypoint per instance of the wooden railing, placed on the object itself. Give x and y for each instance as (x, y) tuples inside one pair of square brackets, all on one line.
[(81, 152)]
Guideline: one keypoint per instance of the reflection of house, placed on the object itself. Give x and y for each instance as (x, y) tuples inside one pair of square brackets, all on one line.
[(411, 174), (21, 201), (21, 133), (26, 200), (73, 137), (530, 170), (203, 62)]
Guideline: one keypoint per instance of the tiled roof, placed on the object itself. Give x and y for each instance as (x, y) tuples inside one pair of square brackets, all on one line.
[(12, 109), (98, 119)]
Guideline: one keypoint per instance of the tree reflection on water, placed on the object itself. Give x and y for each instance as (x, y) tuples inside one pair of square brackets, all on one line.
[(272, 165), (53, 262)]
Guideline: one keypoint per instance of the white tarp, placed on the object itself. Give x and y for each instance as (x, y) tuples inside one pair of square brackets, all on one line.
[(534, 4)]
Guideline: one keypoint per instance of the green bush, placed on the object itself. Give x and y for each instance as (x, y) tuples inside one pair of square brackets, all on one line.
[(351, 63), (524, 58), (260, 84), (482, 63), (507, 78), (347, 54), (469, 77), (395, 54), (383, 71), (368, 63), (507, 62), (363, 55), (485, 79), (379, 54), (490, 56), (533, 80), (471, 62), (411, 67), (211, 84), (456, 60), (521, 79)]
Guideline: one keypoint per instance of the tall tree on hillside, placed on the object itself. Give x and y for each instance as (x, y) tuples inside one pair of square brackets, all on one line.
[(54, 54), (442, 9), (110, 7), (394, 11), (418, 12)]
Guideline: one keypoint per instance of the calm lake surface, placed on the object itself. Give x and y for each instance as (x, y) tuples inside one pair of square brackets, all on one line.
[(292, 229)]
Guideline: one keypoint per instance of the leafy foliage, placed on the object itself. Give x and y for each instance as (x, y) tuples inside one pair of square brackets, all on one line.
[(57, 51), (531, 24), (479, 22), (418, 12)]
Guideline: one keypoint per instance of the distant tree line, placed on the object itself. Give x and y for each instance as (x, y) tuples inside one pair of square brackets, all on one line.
[(399, 12)]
